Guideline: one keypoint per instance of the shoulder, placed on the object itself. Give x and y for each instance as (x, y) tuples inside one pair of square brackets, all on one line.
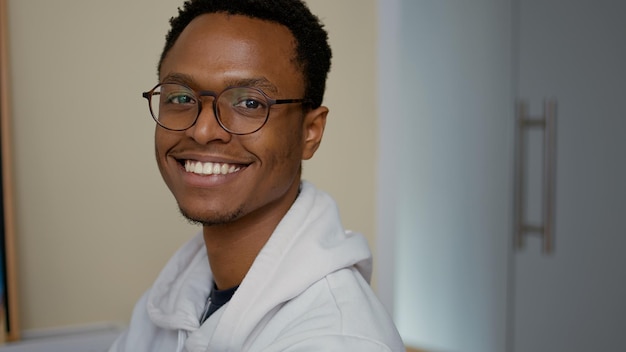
[(338, 313)]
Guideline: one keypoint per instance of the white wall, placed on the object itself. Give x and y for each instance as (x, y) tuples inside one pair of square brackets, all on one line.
[(444, 170), (94, 221)]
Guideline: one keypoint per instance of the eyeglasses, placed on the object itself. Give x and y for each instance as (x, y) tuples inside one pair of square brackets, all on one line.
[(238, 110)]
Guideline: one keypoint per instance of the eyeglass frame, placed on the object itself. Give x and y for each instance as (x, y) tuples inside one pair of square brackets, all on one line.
[(209, 93)]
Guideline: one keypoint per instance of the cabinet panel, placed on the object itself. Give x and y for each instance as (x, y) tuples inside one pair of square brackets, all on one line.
[(573, 299)]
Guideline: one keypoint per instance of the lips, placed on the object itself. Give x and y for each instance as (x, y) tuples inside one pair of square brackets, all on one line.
[(210, 168)]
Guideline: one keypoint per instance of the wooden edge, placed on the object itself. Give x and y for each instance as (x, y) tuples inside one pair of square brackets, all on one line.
[(13, 332), (413, 349)]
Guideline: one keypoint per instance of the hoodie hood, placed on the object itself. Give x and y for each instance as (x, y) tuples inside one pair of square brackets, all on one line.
[(308, 244)]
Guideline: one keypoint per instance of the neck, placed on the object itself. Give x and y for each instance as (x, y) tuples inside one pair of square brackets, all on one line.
[(233, 247)]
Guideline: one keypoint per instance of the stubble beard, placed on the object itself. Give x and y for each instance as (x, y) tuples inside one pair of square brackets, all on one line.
[(211, 220)]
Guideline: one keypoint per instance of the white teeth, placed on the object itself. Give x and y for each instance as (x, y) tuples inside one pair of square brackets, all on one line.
[(209, 168)]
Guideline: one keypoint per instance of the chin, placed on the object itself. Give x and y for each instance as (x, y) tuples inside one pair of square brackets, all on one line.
[(212, 219)]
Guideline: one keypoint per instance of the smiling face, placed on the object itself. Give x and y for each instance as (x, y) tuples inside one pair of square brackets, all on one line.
[(220, 178)]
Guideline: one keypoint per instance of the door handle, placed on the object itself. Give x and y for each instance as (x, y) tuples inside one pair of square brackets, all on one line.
[(547, 122)]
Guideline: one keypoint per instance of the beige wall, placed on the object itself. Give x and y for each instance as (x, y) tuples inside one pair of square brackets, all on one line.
[(95, 223)]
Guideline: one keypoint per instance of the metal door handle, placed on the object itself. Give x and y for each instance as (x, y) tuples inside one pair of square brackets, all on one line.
[(548, 123)]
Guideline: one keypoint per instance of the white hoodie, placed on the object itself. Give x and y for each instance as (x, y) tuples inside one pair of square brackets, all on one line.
[(307, 290)]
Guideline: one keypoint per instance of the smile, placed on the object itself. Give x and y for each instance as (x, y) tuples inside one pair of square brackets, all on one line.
[(208, 168)]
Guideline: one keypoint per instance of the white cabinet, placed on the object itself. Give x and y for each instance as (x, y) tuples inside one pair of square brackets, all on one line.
[(573, 299), (450, 74)]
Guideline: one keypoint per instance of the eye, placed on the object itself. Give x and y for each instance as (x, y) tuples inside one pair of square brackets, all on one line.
[(249, 103), (245, 99), (180, 98)]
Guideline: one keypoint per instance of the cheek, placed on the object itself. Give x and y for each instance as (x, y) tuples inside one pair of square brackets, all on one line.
[(163, 140), (158, 151), (288, 144), (279, 149), (162, 143)]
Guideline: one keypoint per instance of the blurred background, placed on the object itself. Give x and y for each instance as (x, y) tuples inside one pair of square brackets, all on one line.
[(419, 152)]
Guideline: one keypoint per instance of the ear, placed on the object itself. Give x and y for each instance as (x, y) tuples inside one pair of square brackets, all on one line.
[(313, 130)]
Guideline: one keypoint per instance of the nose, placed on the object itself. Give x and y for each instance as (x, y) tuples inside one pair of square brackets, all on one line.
[(207, 128)]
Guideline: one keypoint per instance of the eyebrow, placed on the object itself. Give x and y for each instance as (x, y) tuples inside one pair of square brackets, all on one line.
[(257, 82), (181, 78)]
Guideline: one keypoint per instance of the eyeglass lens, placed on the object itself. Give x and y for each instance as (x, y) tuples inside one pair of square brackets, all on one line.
[(239, 110)]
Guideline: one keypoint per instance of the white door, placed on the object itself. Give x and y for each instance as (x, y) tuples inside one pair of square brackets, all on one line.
[(575, 299)]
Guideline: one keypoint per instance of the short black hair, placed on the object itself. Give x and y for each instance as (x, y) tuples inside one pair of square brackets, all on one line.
[(313, 53)]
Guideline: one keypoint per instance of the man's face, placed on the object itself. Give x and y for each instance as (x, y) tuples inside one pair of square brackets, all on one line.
[(257, 174)]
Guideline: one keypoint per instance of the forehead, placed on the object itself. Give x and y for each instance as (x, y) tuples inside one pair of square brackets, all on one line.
[(218, 48)]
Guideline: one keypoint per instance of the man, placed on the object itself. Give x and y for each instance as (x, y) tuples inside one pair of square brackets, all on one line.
[(238, 107)]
